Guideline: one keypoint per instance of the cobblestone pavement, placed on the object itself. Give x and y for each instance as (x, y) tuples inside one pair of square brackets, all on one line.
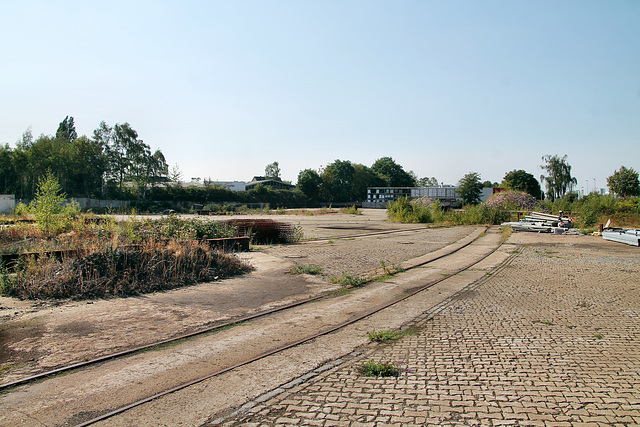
[(552, 339), (363, 255)]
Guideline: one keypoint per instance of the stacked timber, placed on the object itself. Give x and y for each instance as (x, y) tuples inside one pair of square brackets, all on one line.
[(539, 222)]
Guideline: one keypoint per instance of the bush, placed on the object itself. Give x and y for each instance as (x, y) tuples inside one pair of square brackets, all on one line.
[(402, 210), (49, 209)]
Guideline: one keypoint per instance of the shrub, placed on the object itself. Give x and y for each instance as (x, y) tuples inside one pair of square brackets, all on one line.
[(351, 210), (51, 214), (402, 210), (377, 369)]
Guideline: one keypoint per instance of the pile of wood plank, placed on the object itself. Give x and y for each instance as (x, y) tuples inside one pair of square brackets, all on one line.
[(539, 222)]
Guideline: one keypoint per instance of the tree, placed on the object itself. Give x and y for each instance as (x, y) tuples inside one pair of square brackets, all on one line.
[(624, 182), (337, 179), (559, 180), (428, 182), (393, 173), (175, 175), (309, 182), (470, 188), (87, 164), (363, 178), (67, 130), (520, 180), (272, 171)]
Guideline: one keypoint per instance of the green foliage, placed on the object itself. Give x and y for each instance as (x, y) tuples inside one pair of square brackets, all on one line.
[(181, 229), (595, 208), (428, 182), (51, 214), (384, 335), (519, 180), (337, 181), (348, 280), (470, 188), (558, 180), (624, 182), (479, 214), (272, 171), (390, 269), (309, 183), (306, 269), (393, 173), (363, 178), (351, 210), (402, 210), (371, 368)]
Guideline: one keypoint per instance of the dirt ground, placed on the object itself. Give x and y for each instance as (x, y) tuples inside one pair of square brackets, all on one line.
[(38, 335)]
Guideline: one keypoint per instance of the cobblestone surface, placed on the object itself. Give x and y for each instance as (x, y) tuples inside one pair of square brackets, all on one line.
[(552, 339), (363, 255)]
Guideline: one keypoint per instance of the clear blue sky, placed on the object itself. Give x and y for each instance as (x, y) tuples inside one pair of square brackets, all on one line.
[(444, 87)]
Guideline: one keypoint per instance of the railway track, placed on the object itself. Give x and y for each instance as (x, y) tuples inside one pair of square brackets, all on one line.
[(218, 326), (232, 366)]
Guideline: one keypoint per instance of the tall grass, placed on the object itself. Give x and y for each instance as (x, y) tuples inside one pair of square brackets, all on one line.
[(108, 272), (403, 210)]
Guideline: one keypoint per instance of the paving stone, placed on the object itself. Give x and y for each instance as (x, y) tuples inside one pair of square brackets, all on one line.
[(553, 338)]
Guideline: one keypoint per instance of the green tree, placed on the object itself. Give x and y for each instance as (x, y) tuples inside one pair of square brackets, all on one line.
[(558, 180), (337, 179), (8, 176), (393, 173), (428, 182), (624, 182), (67, 130), (363, 178), (87, 166), (470, 188), (272, 171), (309, 182), (48, 207), (520, 180)]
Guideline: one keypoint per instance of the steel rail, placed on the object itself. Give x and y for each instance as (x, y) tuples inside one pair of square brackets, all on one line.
[(287, 346), (230, 323)]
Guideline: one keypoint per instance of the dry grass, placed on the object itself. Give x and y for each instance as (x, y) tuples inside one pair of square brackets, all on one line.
[(124, 271)]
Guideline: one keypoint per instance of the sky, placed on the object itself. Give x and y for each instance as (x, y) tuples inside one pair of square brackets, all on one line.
[(445, 88)]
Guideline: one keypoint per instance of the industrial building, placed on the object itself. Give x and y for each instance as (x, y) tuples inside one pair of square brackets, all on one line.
[(447, 195)]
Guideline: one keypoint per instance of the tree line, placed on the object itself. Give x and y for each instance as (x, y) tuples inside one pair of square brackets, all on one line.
[(100, 165), (85, 167)]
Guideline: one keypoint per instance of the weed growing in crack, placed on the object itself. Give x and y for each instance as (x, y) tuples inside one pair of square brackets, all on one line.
[(306, 269), (348, 280), (372, 368), (384, 335)]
